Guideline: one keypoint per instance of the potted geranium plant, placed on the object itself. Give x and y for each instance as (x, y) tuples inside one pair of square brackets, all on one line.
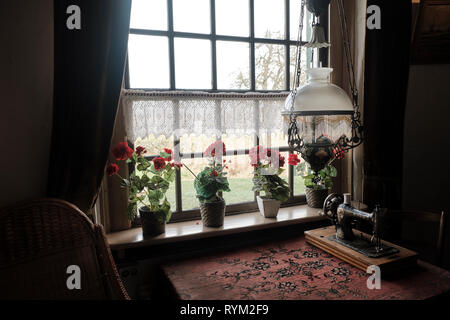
[(318, 185), (209, 183), (147, 186), (268, 164)]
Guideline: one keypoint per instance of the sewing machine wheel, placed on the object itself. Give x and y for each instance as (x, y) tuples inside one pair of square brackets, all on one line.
[(330, 206)]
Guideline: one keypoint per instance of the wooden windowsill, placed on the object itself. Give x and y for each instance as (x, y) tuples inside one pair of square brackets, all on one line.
[(190, 230)]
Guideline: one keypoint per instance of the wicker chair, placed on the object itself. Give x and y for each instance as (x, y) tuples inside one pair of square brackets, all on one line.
[(40, 239)]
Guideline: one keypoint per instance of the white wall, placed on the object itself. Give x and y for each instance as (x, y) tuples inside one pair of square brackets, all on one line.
[(26, 90)]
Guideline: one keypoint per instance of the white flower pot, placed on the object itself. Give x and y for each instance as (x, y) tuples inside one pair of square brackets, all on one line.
[(268, 207)]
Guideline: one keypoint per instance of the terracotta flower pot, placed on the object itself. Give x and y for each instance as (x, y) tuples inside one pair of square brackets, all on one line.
[(316, 198), (153, 223), (268, 207), (213, 213)]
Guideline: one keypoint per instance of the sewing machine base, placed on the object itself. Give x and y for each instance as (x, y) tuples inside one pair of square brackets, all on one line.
[(388, 264), (365, 247)]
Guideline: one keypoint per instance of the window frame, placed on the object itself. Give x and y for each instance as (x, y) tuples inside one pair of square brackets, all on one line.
[(214, 37), (243, 207)]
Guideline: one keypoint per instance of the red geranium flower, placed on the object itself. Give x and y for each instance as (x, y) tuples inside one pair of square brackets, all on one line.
[(214, 173), (112, 169), (339, 154), (281, 161), (140, 151), (168, 151), (294, 159), (176, 164), (159, 163), (122, 151)]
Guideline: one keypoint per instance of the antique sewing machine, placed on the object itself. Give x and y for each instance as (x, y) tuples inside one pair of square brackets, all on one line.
[(356, 247), (338, 208)]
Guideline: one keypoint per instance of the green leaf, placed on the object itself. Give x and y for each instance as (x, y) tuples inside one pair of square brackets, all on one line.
[(145, 179), (125, 183), (332, 171), (207, 185), (273, 186), (164, 155), (322, 173), (155, 196), (143, 164), (133, 189), (156, 179), (169, 175), (131, 211), (165, 207), (309, 183)]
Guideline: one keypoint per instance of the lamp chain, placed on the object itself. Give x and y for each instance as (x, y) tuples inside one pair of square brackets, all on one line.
[(298, 67), (348, 54), (295, 141), (344, 143)]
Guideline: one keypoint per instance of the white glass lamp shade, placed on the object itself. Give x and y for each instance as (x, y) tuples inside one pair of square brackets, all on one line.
[(320, 97), (313, 128), (322, 109)]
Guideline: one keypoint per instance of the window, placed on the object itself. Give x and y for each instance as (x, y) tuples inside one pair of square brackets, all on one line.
[(197, 62), (237, 45)]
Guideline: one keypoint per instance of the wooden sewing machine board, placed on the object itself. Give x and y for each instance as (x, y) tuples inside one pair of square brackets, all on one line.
[(388, 264)]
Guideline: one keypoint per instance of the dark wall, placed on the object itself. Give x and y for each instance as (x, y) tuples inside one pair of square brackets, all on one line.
[(26, 90), (426, 167)]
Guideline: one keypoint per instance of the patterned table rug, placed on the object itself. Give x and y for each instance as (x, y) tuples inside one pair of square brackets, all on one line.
[(293, 269)]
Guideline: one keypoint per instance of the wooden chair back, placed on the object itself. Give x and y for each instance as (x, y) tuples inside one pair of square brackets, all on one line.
[(393, 231), (40, 240)]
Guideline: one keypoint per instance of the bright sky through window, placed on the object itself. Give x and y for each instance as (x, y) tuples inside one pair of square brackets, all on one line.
[(191, 16), (149, 55), (148, 58), (149, 14), (232, 18), (269, 19), (193, 63)]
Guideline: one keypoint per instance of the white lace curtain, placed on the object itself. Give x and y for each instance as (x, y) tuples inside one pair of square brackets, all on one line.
[(180, 113)]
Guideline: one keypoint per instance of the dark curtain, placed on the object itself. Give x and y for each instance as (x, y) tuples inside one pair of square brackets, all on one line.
[(89, 68), (385, 88)]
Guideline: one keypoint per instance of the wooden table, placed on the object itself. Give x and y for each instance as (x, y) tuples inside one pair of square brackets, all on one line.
[(293, 269)]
